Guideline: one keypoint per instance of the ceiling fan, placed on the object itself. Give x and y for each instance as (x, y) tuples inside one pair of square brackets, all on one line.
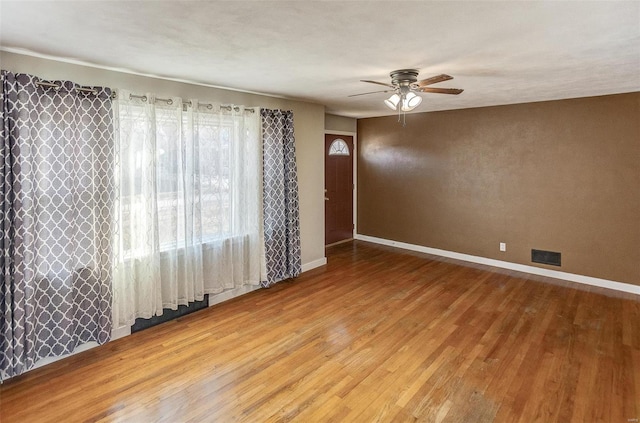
[(404, 85)]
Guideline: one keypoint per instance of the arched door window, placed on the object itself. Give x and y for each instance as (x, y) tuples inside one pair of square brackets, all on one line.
[(339, 148)]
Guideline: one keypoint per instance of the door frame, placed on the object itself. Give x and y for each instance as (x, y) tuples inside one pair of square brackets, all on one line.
[(354, 176)]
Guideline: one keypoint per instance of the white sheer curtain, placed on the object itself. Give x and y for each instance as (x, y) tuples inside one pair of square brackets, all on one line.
[(189, 205)]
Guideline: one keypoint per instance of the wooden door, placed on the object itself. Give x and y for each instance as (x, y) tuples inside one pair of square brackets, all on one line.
[(338, 184)]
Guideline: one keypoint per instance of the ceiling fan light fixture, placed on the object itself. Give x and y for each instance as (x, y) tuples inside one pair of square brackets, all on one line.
[(410, 102), (404, 85), (392, 102)]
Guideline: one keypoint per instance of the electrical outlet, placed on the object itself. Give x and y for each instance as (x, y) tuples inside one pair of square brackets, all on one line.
[(503, 246)]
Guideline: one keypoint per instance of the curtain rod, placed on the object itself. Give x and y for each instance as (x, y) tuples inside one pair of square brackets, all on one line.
[(57, 87), (169, 101), (141, 97)]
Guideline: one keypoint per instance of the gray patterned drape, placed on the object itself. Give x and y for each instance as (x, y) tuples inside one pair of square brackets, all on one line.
[(280, 197), (57, 154)]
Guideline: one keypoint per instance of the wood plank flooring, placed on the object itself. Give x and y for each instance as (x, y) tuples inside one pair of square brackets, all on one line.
[(377, 335)]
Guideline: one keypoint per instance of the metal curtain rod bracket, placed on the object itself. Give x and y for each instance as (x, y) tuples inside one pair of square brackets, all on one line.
[(57, 87)]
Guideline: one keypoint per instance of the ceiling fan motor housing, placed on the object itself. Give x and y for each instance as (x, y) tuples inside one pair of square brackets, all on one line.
[(404, 77)]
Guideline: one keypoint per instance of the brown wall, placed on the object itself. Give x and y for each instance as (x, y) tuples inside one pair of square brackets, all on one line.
[(559, 175)]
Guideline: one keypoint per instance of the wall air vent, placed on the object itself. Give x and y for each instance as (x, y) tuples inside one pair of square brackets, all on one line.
[(545, 257)]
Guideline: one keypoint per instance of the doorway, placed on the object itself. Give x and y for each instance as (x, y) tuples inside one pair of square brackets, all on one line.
[(338, 192)]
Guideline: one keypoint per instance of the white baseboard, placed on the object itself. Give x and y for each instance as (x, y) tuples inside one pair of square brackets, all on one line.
[(120, 332), (313, 264), (587, 280), (48, 360), (115, 334), (232, 293), (227, 295)]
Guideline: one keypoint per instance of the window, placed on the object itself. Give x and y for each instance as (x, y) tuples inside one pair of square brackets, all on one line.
[(338, 148), (189, 204), (182, 173)]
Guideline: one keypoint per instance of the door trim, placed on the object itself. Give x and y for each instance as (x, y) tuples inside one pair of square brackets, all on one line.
[(354, 176)]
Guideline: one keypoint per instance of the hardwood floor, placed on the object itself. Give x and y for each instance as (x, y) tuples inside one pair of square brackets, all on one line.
[(378, 334)]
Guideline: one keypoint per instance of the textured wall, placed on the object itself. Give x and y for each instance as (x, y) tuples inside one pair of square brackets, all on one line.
[(559, 175)]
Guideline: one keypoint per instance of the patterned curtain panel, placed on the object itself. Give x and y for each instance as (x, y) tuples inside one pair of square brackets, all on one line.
[(280, 197), (189, 206), (57, 153)]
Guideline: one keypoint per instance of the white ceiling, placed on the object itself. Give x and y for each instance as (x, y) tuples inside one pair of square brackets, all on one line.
[(499, 52)]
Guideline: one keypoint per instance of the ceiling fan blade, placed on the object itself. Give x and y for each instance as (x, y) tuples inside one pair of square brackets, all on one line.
[(433, 80), (454, 91), (379, 83), (372, 92)]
